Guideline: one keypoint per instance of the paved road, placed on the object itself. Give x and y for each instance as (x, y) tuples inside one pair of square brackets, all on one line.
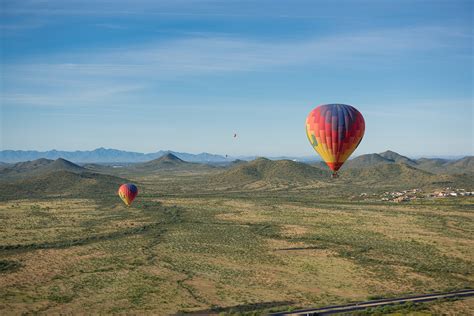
[(390, 301)]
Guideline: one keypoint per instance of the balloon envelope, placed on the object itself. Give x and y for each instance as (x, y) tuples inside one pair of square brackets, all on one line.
[(127, 193), (335, 131)]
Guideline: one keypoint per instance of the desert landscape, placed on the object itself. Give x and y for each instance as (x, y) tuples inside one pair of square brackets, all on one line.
[(236, 157), (248, 237)]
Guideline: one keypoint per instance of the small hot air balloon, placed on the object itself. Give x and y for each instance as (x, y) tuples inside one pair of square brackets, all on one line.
[(127, 193), (335, 131)]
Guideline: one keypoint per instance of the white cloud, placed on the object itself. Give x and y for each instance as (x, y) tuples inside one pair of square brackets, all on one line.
[(12, 28), (91, 76), (91, 96)]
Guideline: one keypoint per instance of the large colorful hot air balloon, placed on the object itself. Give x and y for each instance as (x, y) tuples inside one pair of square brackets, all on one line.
[(127, 193), (335, 131)]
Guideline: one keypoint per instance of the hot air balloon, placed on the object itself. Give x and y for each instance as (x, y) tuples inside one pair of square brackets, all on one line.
[(127, 193), (335, 131)]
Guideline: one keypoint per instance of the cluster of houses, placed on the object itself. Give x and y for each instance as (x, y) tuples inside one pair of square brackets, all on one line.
[(402, 196), (450, 192), (409, 195)]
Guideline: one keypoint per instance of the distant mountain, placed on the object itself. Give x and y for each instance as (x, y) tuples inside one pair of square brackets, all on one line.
[(432, 165), (103, 155), (262, 169), (44, 177), (38, 167), (97, 155), (403, 175), (466, 163), (366, 161), (387, 173), (63, 164), (200, 158), (168, 161), (396, 157), (432, 161), (463, 165), (123, 158), (435, 165), (387, 157), (61, 183), (377, 173)]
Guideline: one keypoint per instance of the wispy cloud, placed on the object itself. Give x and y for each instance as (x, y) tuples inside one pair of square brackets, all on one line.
[(91, 96), (122, 70), (7, 29), (217, 53)]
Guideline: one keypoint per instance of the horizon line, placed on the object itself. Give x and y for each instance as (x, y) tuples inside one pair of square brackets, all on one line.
[(306, 156)]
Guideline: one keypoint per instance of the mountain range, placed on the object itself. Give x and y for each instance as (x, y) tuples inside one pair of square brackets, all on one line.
[(173, 160), (432, 165), (104, 155), (374, 170), (110, 156), (60, 177), (168, 162)]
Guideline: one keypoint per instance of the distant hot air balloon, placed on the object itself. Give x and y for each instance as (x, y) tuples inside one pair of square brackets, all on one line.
[(127, 193), (335, 131)]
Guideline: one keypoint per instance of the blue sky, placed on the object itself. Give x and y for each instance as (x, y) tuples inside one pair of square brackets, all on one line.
[(147, 75)]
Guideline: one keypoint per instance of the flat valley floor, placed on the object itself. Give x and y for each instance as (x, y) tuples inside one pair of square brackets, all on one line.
[(225, 252)]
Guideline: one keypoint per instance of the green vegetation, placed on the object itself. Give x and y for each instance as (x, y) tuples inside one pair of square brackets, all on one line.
[(402, 309), (61, 184), (258, 237), (284, 171), (9, 266)]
